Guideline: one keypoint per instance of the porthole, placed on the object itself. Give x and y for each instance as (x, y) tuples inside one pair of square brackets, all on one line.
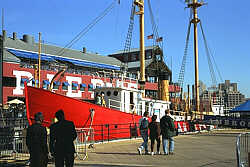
[(108, 93), (115, 93)]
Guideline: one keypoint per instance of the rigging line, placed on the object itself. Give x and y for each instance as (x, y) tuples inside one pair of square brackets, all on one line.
[(220, 76), (184, 59), (128, 40), (209, 58), (217, 69), (154, 26), (87, 28)]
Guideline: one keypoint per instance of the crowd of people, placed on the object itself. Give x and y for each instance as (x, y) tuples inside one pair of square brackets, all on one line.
[(164, 128)]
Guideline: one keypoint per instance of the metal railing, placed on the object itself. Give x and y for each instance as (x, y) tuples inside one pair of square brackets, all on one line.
[(85, 136), (13, 146), (242, 149)]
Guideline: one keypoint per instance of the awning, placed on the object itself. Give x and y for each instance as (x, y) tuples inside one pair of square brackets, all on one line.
[(15, 101), (244, 107), (57, 83), (83, 85), (35, 81), (90, 86), (65, 83), (77, 62), (74, 84), (24, 80), (46, 82), (30, 55)]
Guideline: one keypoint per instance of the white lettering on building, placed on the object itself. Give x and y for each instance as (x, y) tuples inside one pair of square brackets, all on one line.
[(19, 74), (70, 93), (242, 123)]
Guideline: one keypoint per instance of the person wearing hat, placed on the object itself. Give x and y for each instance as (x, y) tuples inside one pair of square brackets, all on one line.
[(62, 136), (36, 141)]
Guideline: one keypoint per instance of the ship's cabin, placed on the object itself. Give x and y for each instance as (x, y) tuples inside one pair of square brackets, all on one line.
[(130, 100)]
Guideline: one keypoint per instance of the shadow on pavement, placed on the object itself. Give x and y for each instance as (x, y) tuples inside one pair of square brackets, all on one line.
[(116, 153), (13, 164), (104, 165)]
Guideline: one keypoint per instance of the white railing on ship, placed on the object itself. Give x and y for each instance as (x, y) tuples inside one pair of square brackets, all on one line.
[(242, 150), (121, 106)]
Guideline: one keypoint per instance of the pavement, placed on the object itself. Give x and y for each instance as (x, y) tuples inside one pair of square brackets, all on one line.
[(213, 149)]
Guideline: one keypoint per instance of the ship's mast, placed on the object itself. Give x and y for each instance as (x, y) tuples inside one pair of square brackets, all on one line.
[(39, 61), (194, 5), (140, 4)]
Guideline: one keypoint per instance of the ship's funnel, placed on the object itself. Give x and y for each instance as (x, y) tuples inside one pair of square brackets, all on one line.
[(164, 84)]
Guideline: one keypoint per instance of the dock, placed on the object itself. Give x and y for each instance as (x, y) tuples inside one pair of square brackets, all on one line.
[(205, 149)]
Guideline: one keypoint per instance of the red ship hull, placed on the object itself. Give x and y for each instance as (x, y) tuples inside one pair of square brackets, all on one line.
[(107, 123)]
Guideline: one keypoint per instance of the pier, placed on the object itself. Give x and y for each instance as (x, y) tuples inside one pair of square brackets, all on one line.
[(206, 149)]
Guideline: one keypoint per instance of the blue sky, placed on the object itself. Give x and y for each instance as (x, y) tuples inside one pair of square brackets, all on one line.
[(226, 25)]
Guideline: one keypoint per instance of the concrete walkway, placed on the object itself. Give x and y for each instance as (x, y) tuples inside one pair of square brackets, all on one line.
[(214, 149), (199, 150)]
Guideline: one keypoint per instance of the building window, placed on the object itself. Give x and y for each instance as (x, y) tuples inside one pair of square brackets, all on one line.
[(148, 55), (35, 82), (24, 80), (56, 85), (46, 84), (82, 87), (65, 85), (74, 86), (133, 57), (90, 87), (9, 81)]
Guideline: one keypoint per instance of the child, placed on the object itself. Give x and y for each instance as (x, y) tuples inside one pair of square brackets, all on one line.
[(155, 132)]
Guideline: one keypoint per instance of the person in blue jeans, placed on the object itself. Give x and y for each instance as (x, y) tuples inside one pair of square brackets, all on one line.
[(167, 131), (143, 125)]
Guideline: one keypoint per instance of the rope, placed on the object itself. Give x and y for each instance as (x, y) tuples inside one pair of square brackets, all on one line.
[(154, 26), (87, 28), (217, 69), (209, 58), (127, 46), (182, 70)]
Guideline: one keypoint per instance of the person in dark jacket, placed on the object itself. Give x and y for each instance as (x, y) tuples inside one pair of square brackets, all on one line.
[(36, 141), (155, 133), (167, 131), (62, 136), (143, 126)]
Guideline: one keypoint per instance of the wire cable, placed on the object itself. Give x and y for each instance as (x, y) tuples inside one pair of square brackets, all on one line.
[(87, 28)]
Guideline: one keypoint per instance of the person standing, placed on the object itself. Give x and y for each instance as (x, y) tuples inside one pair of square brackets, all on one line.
[(167, 131), (155, 133), (143, 125), (62, 136), (98, 99), (36, 141), (103, 103)]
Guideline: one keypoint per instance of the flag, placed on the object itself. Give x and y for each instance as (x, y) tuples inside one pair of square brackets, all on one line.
[(150, 36), (159, 39)]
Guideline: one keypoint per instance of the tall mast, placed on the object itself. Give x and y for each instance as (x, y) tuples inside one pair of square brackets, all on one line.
[(39, 61), (140, 4), (1, 60), (194, 5)]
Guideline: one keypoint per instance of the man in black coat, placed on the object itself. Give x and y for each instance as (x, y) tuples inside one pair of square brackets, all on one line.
[(167, 131), (36, 141), (62, 136)]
